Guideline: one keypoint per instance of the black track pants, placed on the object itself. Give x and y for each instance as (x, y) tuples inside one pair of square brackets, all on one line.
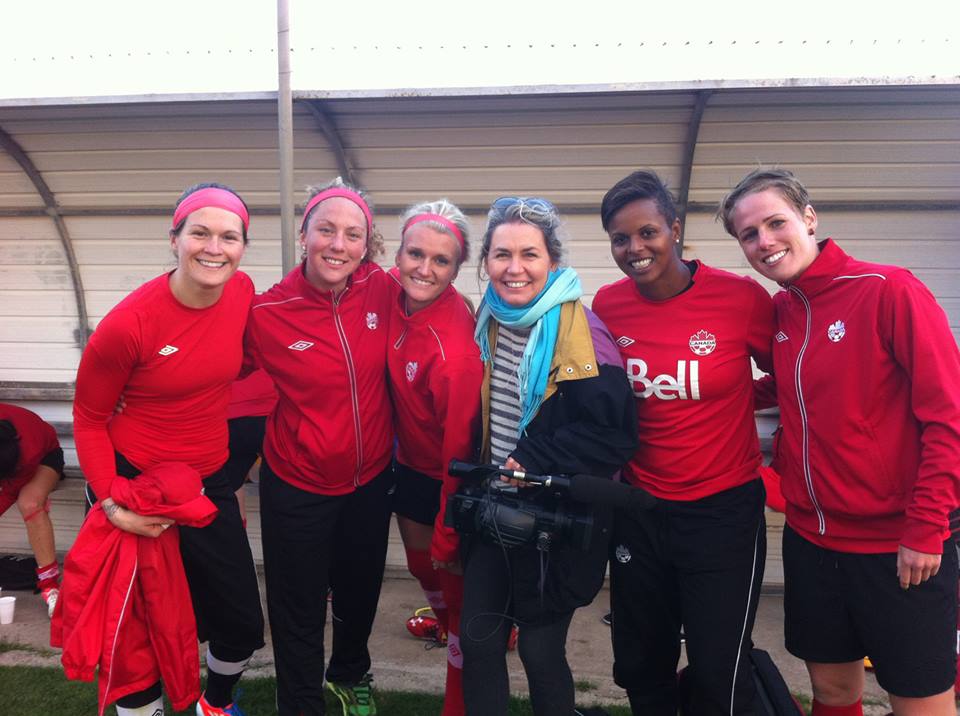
[(696, 565), (484, 629), (310, 542)]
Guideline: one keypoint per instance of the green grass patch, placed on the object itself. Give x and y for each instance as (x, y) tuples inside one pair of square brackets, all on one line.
[(6, 646), (36, 691)]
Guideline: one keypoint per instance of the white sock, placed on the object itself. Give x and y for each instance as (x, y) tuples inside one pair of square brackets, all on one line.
[(225, 668), (154, 708)]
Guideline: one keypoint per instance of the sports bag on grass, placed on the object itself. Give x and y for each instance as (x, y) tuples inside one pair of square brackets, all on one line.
[(773, 696)]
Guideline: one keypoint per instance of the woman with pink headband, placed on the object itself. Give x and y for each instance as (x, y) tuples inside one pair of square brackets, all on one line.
[(435, 379), (172, 348), (325, 481)]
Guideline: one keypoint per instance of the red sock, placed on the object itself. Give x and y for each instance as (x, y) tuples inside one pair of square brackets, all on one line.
[(453, 593), (854, 709), (420, 566), (48, 577)]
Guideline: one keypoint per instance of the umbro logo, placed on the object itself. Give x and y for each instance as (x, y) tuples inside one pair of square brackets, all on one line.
[(623, 341), (781, 337), (300, 345), (167, 350)]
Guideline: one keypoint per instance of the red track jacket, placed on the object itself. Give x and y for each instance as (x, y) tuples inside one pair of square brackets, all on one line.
[(124, 603), (332, 429), (435, 379), (868, 382)]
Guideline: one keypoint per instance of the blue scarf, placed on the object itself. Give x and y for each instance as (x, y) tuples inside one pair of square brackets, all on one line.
[(543, 314)]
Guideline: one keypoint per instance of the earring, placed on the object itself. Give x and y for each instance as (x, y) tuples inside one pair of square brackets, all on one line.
[(810, 232), (676, 241)]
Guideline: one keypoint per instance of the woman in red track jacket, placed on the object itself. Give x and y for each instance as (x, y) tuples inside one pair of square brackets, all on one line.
[(172, 348), (868, 382), (435, 378), (321, 335)]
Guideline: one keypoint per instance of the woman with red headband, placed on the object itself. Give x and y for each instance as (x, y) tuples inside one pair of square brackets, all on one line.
[(435, 379), (325, 482), (172, 348)]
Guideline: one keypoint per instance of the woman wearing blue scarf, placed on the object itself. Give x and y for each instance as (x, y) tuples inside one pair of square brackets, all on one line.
[(555, 400)]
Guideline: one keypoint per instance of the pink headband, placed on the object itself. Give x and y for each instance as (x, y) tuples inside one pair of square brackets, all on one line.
[(211, 196), (343, 193), (442, 220)]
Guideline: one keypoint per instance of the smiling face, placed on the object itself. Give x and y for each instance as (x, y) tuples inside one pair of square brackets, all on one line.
[(428, 262), (778, 241), (518, 262), (208, 248), (644, 246), (335, 242)]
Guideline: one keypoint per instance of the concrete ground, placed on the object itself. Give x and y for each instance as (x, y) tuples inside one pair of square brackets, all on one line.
[(401, 662)]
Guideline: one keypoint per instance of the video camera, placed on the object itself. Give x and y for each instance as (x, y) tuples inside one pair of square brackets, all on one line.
[(556, 513)]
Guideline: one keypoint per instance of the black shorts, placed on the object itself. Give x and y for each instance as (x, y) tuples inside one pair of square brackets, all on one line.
[(841, 606), (416, 496)]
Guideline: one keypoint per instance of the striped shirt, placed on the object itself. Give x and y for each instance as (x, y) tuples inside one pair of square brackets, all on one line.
[(505, 408)]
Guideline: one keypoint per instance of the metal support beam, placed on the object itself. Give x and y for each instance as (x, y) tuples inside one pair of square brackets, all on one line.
[(288, 252), (329, 128), (592, 208), (689, 149), (56, 215)]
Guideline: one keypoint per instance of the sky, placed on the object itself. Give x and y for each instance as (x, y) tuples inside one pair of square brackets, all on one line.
[(55, 48)]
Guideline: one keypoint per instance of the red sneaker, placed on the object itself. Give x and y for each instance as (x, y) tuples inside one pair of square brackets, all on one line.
[(50, 595), (205, 709), (425, 626)]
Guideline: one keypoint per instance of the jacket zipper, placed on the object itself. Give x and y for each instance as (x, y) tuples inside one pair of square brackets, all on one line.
[(354, 399), (807, 472), (116, 633)]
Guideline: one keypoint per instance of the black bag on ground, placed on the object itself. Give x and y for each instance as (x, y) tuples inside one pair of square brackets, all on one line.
[(18, 571), (773, 696)]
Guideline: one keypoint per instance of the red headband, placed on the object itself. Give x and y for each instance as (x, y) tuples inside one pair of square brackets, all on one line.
[(442, 220), (211, 196), (343, 193)]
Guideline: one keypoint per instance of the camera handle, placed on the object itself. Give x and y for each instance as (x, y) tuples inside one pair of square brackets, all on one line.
[(583, 488)]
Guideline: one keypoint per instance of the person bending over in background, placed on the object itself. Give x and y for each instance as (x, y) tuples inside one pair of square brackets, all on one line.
[(31, 465)]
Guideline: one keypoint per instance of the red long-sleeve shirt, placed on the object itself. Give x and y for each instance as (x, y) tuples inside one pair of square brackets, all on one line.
[(688, 360), (174, 366), (37, 440), (332, 429), (251, 396), (868, 382), (435, 379)]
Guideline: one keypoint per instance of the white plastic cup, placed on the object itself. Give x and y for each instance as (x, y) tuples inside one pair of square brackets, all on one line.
[(7, 605)]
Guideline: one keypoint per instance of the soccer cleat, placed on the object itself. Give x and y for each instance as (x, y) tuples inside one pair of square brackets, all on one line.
[(205, 709), (50, 597), (356, 699), (426, 626)]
